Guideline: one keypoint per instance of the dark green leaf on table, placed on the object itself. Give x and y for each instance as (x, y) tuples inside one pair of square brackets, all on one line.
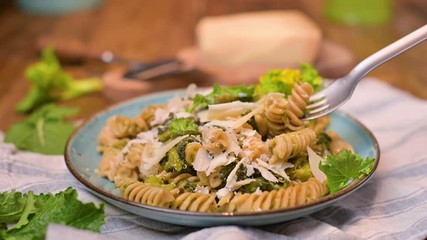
[(37, 211), (44, 131)]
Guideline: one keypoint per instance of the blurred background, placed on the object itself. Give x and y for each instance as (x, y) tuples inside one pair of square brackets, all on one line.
[(149, 31)]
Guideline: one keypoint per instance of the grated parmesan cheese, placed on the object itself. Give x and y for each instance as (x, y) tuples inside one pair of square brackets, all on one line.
[(235, 123), (314, 161), (202, 161), (155, 151), (278, 169), (258, 191), (201, 189), (265, 173), (224, 111)]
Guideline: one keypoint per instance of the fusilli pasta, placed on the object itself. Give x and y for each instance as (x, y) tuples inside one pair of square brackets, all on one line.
[(235, 149)]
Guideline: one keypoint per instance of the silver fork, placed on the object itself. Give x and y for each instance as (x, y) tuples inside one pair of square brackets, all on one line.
[(337, 93)]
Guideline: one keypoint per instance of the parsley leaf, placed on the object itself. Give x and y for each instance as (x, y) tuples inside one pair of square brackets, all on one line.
[(44, 131), (35, 212), (344, 169)]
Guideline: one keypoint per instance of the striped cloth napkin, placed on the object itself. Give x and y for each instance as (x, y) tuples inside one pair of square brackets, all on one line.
[(392, 205)]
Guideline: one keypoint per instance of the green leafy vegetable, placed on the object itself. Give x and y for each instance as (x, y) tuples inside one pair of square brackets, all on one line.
[(175, 159), (322, 142), (301, 169), (226, 170), (345, 168), (283, 80), (310, 75), (35, 212), (173, 163), (179, 127), (51, 83), (44, 131), (263, 185), (12, 206), (223, 94)]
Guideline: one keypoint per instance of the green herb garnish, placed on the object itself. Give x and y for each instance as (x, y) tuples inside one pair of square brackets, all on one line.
[(345, 168)]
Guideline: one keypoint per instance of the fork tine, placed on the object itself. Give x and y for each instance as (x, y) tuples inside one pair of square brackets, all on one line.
[(319, 109), (317, 104), (316, 97), (314, 116)]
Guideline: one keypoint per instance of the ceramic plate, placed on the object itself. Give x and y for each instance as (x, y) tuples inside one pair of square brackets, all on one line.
[(82, 159)]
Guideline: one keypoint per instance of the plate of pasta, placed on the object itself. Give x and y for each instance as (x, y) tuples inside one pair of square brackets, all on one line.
[(225, 155)]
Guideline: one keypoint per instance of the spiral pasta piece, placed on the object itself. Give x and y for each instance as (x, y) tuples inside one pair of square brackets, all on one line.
[(275, 114), (296, 194), (134, 155), (290, 144), (337, 144), (215, 140), (196, 202), (191, 151), (214, 179), (123, 173), (320, 124), (253, 147), (180, 180), (147, 116), (116, 128), (146, 194), (109, 163), (297, 102)]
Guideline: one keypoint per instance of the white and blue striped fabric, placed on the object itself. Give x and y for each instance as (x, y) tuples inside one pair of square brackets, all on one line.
[(392, 205)]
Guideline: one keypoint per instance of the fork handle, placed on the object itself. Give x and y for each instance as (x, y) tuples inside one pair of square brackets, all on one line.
[(387, 53)]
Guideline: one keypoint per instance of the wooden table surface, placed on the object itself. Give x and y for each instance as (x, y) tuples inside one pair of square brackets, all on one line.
[(150, 30)]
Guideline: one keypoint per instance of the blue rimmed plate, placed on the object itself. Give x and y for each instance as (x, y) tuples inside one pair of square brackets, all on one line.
[(82, 158)]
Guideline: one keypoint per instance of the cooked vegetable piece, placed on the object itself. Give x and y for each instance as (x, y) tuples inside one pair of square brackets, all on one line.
[(49, 82)]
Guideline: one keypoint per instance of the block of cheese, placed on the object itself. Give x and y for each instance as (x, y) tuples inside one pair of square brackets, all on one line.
[(279, 38)]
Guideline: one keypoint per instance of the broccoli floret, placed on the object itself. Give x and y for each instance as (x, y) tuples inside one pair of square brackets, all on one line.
[(173, 163), (283, 80), (175, 159), (179, 127), (310, 75), (50, 83), (322, 142), (223, 94), (226, 170), (301, 169)]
